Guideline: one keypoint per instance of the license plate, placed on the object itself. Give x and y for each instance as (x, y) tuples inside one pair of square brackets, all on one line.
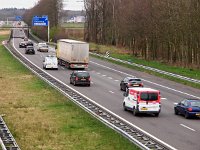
[(144, 108), (135, 85), (83, 79), (198, 114)]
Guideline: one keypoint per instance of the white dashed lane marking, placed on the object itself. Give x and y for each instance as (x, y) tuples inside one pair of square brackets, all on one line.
[(164, 98), (109, 77), (103, 75), (112, 92), (116, 80), (187, 127)]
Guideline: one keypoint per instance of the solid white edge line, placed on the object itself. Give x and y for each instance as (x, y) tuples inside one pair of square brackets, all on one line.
[(147, 80), (187, 127), (138, 128)]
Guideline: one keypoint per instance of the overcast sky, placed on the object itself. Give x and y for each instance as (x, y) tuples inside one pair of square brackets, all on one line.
[(68, 4)]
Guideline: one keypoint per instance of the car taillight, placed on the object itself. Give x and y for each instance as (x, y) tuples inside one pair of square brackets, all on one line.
[(72, 65), (76, 78), (141, 84), (129, 84), (89, 79), (189, 109)]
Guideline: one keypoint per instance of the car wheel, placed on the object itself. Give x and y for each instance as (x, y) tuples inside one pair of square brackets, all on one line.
[(135, 113), (175, 111), (88, 84), (186, 115), (74, 83), (124, 107), (121, 88)]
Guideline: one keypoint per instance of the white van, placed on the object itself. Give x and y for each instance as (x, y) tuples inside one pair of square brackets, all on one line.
[(142, 100), (50, 62)]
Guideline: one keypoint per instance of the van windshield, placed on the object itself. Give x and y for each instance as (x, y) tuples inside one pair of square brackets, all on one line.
[(149, 96)]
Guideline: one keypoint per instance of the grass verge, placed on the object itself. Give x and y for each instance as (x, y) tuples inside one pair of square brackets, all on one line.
[(40, 118), (118, 53)]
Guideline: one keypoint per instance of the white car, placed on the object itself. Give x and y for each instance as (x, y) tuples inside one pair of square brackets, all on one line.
[(42, 47), (50, 62)]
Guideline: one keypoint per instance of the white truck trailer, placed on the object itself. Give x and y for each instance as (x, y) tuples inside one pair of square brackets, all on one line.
[(72, 53)]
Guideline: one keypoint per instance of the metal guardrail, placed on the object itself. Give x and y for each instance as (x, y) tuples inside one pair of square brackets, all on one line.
[(149, 68), (7, 141)]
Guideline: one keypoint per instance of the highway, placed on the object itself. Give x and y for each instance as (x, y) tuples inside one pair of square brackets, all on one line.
[(174, 130)]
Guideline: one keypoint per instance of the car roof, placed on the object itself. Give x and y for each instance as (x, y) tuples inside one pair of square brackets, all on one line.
[(50, 56), (29, 46), (142, 89), (80, 71)]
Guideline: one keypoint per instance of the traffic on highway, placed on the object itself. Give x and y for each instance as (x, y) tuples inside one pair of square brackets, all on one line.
[(164, 109)]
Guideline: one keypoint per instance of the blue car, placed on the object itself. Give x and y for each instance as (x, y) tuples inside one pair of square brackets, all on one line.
[(188, 108)]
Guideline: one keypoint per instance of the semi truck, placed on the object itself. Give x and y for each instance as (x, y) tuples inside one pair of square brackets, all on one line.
[(72, 53)]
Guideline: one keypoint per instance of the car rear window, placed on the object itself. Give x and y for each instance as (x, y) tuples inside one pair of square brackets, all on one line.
[(83, 74), (195, 103), (132, 80), (149, 96)]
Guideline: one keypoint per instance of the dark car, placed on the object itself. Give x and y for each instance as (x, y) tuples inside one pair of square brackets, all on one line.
[(29, 50), (29, 43), (80, 77), (188, 108), (22, 44), (130, 82)]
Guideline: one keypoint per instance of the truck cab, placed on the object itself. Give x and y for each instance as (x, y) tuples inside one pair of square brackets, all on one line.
[(142, 100)]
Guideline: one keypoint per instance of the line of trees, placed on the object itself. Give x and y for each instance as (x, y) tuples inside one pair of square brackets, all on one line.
[(51, 8), (163, 30)]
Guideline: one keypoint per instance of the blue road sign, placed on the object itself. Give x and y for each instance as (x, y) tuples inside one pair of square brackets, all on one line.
[(18, 18), (40, 21)]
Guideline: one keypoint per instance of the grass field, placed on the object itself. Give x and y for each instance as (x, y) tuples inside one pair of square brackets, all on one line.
[(73, 25), (123, 55), (40, 118)]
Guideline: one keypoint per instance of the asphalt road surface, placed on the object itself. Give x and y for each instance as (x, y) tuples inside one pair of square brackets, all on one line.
[(174, 130)]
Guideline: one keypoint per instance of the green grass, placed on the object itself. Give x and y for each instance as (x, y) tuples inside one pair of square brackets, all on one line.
[(40, 118), (118, 53), (73, 25)]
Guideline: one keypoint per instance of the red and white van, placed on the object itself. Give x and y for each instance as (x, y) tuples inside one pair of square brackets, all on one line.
[(142, 100)]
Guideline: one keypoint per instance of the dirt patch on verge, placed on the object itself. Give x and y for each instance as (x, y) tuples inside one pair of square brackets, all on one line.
[(4, 32)]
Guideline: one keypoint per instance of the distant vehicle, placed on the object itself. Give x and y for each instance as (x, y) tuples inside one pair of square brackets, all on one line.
[(29, 43), (25, 39), (80, 77), (42, 47), (72, 54), (188, 108), (22, 44), (130, 82), (29, 50), (142, 100), (50, 62)]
